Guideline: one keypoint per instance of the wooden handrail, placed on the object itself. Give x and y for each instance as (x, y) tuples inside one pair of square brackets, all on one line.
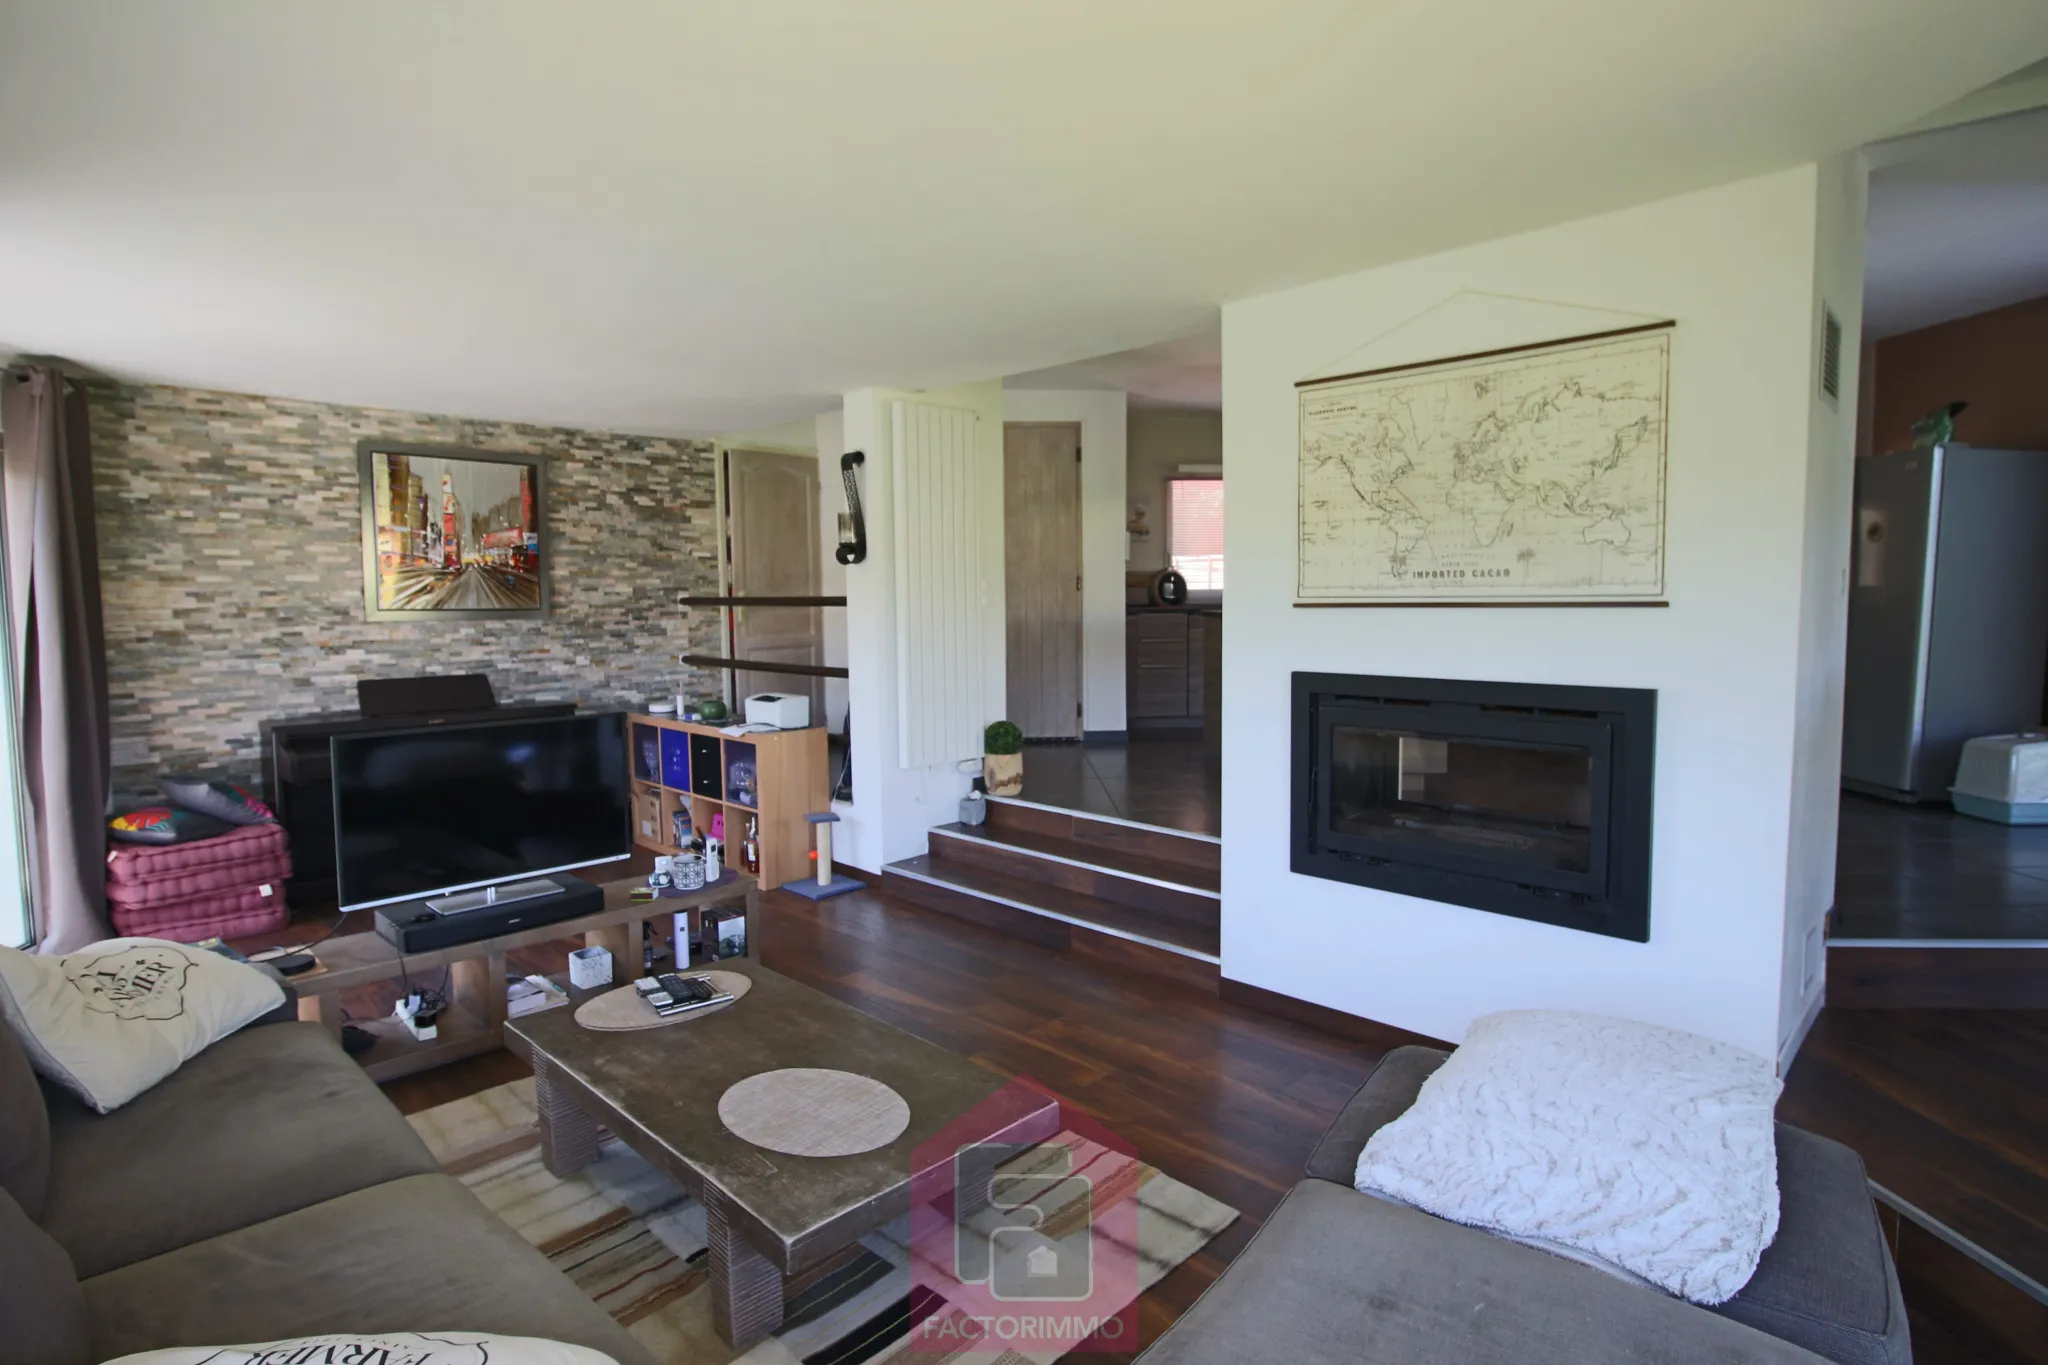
[(757, 666), (688, 601)]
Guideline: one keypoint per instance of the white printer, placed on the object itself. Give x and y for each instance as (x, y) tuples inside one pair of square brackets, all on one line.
[(779, 709)]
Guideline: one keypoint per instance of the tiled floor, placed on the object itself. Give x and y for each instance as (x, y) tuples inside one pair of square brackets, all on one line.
[(1172, 782), (1925, 872)]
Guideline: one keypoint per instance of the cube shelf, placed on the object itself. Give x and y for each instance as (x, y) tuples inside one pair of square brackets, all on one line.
[(681, 767)]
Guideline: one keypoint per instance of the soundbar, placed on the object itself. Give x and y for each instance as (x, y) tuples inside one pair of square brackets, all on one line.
[(413, 928)]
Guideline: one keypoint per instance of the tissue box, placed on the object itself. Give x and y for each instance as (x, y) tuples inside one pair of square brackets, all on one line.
[(725, 933), (590, 968)]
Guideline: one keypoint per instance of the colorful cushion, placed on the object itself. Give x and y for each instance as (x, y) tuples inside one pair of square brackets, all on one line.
[(222, 800), (165, 825), (111, 1020)]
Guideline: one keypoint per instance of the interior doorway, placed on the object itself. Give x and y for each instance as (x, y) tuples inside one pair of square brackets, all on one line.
[(1042, 576), (772, 551)]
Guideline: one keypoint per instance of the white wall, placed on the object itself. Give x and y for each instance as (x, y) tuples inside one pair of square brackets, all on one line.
[(1161, 441), (1735, 267), (1101, 415), (892, 806), (1824, 598)]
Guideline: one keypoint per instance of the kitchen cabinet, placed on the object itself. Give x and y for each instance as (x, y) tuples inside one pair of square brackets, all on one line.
[(1164, 676)]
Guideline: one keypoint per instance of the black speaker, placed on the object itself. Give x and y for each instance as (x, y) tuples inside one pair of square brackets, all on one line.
[(425, 696)]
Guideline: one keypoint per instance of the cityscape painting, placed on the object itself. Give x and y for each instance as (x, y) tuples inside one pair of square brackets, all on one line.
[(452, 533)]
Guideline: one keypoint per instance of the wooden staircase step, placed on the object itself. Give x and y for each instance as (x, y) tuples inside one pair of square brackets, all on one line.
[(1048, 911), (1091, 870), (1153, 843)]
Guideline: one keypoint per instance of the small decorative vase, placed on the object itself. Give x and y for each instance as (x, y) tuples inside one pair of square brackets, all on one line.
[(1003, 773)]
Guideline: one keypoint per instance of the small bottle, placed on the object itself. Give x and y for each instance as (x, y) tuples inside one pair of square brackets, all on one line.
[(750, 848), (714, 853)]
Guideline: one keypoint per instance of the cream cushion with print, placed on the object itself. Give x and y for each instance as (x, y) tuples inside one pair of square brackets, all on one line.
[(380, 1348), (111, 1020)]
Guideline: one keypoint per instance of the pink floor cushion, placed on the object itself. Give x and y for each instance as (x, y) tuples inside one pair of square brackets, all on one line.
[(176, 885), (224, 914), (142, 862)]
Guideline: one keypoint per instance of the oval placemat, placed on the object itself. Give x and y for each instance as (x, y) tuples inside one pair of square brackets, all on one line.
[(807, 1111), (619, 1010)]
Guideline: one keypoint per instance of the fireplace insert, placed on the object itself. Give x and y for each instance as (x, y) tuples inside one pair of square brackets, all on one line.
[(1530, 800)]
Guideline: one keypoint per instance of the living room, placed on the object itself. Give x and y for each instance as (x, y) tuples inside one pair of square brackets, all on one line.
[(513, 539)]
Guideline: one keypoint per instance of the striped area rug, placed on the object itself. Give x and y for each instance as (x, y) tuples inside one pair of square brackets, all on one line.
[(634, 1241)]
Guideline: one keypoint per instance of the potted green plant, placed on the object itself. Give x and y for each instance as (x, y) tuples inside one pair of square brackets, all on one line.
[(1002, 759)]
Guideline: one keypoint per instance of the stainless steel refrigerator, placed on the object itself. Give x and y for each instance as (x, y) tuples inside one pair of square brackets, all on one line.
[(1948, 612)]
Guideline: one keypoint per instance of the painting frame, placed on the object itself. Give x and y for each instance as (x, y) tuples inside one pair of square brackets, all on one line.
[(376, 530)]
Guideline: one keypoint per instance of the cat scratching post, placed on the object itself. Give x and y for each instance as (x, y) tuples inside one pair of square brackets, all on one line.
[(828, 882)]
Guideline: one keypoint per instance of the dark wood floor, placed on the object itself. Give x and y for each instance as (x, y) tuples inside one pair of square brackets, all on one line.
[(1222, 1097), (1925, 872), (1948, 1107)]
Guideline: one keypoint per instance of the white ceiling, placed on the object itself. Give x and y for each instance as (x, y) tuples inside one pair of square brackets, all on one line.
[(1958, 222), (1182, 372), (696, 218)]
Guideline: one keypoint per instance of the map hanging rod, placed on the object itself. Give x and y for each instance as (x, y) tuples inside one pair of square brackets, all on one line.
[(1608, 335), (1548, 602)]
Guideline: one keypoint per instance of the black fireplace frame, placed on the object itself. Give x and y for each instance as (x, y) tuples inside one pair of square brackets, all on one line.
[(1618, 724)]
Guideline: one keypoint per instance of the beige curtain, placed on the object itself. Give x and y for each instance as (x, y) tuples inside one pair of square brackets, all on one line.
[(59, 652)]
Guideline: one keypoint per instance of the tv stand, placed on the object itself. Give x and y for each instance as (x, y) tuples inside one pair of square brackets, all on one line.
[(474, 1019), (298, 770)]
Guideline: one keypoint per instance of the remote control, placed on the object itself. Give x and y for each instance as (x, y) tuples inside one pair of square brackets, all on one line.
[(686, 988)]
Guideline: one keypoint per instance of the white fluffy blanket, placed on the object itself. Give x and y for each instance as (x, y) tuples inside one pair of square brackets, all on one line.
[(1646, 1148)]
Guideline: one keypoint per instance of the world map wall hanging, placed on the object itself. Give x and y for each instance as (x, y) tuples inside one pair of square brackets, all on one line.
[(1531, 475)]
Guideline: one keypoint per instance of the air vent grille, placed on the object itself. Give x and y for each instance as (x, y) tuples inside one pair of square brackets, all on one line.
[(1830, 354)]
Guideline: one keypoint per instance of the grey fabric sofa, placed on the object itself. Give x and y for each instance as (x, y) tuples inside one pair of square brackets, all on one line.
[(1335, 1275), (265, 1190)]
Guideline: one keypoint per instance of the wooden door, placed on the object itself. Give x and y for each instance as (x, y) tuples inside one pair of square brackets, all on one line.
[(772, 503), (1042, 576)]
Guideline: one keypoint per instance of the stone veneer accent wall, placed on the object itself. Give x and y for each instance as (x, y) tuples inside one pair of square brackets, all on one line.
[(231, 559)]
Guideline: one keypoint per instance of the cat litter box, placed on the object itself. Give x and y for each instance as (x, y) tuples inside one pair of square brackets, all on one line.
[(2004, 778)]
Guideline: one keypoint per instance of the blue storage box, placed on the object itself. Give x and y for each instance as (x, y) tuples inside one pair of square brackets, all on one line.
[(675, 759)]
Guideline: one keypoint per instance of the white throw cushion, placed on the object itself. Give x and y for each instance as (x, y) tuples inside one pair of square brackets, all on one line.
[(1606, 1140), (380, 1348), (111, 1020)]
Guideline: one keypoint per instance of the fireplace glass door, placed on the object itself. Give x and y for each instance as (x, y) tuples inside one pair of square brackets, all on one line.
[(1488, 795)]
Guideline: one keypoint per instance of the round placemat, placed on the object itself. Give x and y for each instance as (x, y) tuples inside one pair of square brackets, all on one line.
[(804, 1111), (618, 1010)]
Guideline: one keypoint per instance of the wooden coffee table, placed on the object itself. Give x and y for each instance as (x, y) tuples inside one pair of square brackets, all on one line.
[(768, 1216)]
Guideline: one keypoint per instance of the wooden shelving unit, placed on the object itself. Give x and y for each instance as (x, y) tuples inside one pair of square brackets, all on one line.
[(691, 767)]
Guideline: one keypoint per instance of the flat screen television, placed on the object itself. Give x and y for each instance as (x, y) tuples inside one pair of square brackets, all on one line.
[(445, 807)]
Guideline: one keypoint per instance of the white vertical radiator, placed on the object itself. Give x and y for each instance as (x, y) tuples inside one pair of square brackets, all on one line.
[(940, 667)]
